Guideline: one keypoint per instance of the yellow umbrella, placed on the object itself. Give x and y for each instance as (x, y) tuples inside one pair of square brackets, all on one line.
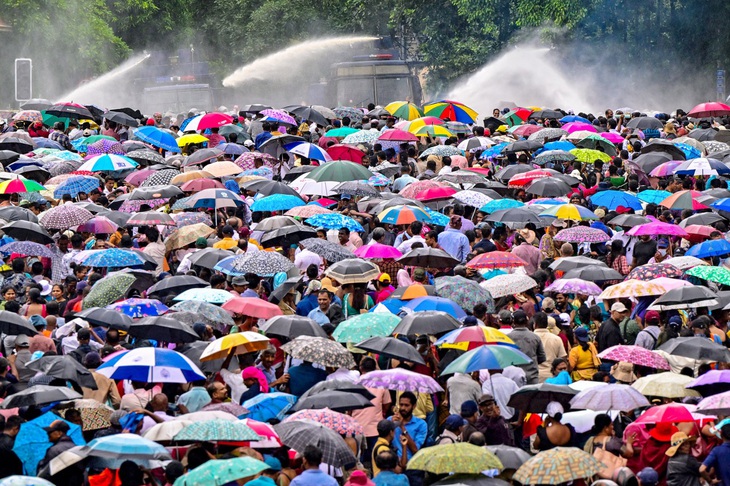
[(665, 385), (181, 179), (432, 131), (223, 168), (404, 110), (632, 288), (422, 122), (238, 343), (190, 138)]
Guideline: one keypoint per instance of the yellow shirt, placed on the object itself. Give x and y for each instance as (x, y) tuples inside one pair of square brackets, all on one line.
[(583, 363), (226, 243)]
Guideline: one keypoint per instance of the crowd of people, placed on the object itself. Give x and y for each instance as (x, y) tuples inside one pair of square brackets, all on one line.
[(381, 296)]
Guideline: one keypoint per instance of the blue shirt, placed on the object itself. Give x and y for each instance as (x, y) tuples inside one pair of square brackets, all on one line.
[(455, 243), (262, 481), (318, 316), (389, 478), (261, 138), (314, 477), (417, 429), (307, 304), (304, 377), (402, 182), (719, 458)]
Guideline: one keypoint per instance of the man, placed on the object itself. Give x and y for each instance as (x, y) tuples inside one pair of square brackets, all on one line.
[(453, 241), (384, 288), (106, 389), (83, 336), (461, 387), (492, 424), (404, 179), (19, 361), (310, 300), (551, 343), (470, 413), (529, 344), (311, 474), (408, 426), (155, 249), (386, 463), (683, 469), (19, 279), (386, 433), (239, 284), (548, 247), (159, 405), (194, 399), (268, 476), (227, 243), (218, 392), (304, 377), (61, 442), (326, 312), (371, 417), (412, 234), (263, 136), (343, 237), (717, 463), (526, 251), (58, 135), (501, 388), (644, 250), (648, 336), (609, 333), (10, 465)]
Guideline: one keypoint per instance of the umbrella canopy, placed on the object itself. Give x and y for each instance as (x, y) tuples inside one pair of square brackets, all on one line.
[(265, 406), (696, 348), (582, 234), (209, 257), (339, 171), (631, 288), (496, 259), (205, 294), (558, 465), (610, 397), (236, 343), (334, 399), (162, 328), (487, 357), (64, 368), (413, 291), (574, 286), (569, 263), (292, 326), (470, 337), (262, 263), (297, 434), (428, 258), (635, 355), (112, 319), (684, 298), (508, 284), (715, 404), (219, 472), (216, 430), (391, 348), (535, 398), (253, 307), (400, 380), (39, 395), (668, 413), (109, 290), (64, 216), (27, 231), (665, 385), (338, 422), (32, 442), (377, 251), (363, 326), (426, 322), (455, 458), (176, 284), (352, 271), (150, 365), (319, 350), (711, 383), (651, 271), (13, 324)]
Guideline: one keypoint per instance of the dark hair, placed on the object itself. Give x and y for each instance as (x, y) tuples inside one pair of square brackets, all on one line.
[(130, 474), (197, 456), (367, 364), (386, 460), (18, 265), (313, 455), (601, 421), (385, 427), (13, 421), (410, 396)]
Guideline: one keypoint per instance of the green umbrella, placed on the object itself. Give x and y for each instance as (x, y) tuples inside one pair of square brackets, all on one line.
[(49, 120), (340, 171), (341, 132), (96, 138), (719, 275), (365, 326), (589, 156), (108, 290), (218, 472), (455, 458), (215, 430)]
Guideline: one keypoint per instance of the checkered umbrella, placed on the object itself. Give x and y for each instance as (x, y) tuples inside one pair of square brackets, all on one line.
[(75, 185), (160, 178), (298, 434)]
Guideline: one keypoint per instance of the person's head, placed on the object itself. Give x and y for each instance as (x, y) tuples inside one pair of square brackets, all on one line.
[(618, 311), (173, 470), (386, 460), (57, 292), (602, 424), (519, 319), (9, 294), (18, 265), (454, 423), (367, 364), (681, 444), (12, 425), (488, 406), (455, 222), (558, 365), (324, 299), (74, 416), (648, 477), (268, 356), (386, 429), (343, 235), (83, 336), (217, 391), (312, 456), (56, 430), (406, 404), (92, 360), (239, 284), (159, 402)]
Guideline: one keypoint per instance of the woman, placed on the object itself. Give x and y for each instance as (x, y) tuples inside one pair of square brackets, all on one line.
[(256, 382), (357, 302), (605, 438), (583, 357), (36, 304), (616, 258), (58, 296), (559, 369), (9, 295), (553, 433)]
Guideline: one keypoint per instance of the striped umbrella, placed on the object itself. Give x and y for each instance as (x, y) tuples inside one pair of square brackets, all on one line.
[(404, 110), (151, 365), (452, 110)]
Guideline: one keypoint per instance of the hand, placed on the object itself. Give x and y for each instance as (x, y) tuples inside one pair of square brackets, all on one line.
[(12, 358), (284, 378), (632, 438), (403, 439)]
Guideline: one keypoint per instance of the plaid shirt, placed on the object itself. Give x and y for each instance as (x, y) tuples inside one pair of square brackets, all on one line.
[(62, 138)]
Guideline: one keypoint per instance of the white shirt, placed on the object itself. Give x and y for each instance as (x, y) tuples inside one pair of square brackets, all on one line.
[(148, 422), (406, 246)]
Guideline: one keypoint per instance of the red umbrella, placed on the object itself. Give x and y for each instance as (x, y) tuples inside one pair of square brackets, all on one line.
[(253, 307), (436, 193), (669, 413), (709, 109), (346, 152), (398, 136), (526, 130), (525, 178), (698, 232), (199, 184), (323, 141), (496, 259)]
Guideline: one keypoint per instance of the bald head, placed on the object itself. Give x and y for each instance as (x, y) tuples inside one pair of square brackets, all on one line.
[(159, 403)]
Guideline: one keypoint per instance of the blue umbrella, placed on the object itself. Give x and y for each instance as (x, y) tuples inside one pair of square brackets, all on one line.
[(66, 155), (112, 257), (574, 118), (557, 145), (489, 357), (158, 138), (22, 163), (437, 218), (393, 305), (721, 204), (32, 442), (139, 307), (334, 221), (75, 185), (499, 204), (689, 151), (265, 406), (493, 151), (226, 266), (308, 150), (27, 248), (151, 365), (431, 303), (653, 196), (206, 294), (128, 445), (46, 143), (108, 163), (614, 199), (80, 144), (277, 202), (710, 248)]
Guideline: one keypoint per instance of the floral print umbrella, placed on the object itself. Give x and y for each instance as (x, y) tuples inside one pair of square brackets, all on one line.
[(655, 270), (64, 216), (140, 307), (320, 350), (216, 430), (108, 290), (246, 160), (635, 355), (104, 146), (574, 286), (399, 379), (27, 248), (332, 252), (459, 458), (509, 284), (364, 326), (558, 465), (464, 292), (582, 234), (339, 422)]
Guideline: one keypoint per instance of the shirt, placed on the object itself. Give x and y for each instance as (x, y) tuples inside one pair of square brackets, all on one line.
[(261, 481), (261, 138), (407, 245), (554, 348), (148, 423), (314, 477), (501, 388), (531, 345), (304, 377), (226, 243), (455, 243), (157, 251), (215, 139), (370, 416), (608, 335), (417, 429), (389, 478), (719, 459), (462, 388), (648, 337), (402, 182), (683, 470), (530, 255), (194, 399)]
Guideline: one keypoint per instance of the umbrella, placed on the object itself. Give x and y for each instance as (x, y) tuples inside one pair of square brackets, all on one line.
[(150, 365), (535, 398), (14, 325), (651, 271), (719, 275), (205, 294), (619, 397), (574, 286), (64, 368), (487, 357), (683, 200), (269, 437), (400, 380), (32, 442), (413, 291), (391, 348), (355, 188), (450, 110), (569, 263), (162, 328), (265, 406), (635, 355), (338, 385), (665, 385), (696, 348), (216, 430), (668, 413), (292, 326), (319, 350), (297, 434), (338, 422), (209, 257), (711, 383), (291, 235), (268, 188), (631, 288), (111, 257), (39, 395), (710, 248), (262, 263), (108, 290), (219, 472), (334, 221), (684, 298), (428, 258), (549, 187), (569, 211), (510, 457), (377, 251), (657, 228), (27, 231), (336, 400), (135, 307), (582, 234), (98, 225), (27, 248), (613, 199), (345, 152), (515, 217), (509, 284), (64, 216), (15, 213), (339, 171), (435, 304), (475, 479), (558, 465), (715, 404), (426, 322), (215, 199), (235, 343), (112, 319), (192, 311), (353, 271), (461, 458), (176, 284), (150, 218), (364, 326)]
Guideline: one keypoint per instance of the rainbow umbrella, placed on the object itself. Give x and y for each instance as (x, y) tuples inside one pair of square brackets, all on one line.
[(453, 110), (404, 215), (470, 337), (569, 211), (489, 357), (20, 185), (432, 131), (666, 169), (404, 110), (683, 200)]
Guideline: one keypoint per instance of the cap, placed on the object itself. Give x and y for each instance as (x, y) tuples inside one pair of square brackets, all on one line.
[(564, 319), (57, 426), (485, 398), (345, 197), (678, 439), (648, 476), (419, 274), (554, 408), (22, 341), (601, 213), (273, 463), (675, 321), (618, 307), (662, 243), (558, 223), (227, 230), (453, 422), (581, 334), (505, 316), (46, 287), (519, 317), (469, 408), (37, 320), (548, 304), (698, 324), (384, 277), (470, 321), (201, 242), (248, 143), (652, 317), (239, 281)]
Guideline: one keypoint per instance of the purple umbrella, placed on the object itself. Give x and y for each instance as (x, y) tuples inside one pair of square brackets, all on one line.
[(139, 176), (104, 146), (712, 383), (574, 286), (246, 161), (609, 397), (135, 205), (400, 380), (98, 225), (715, 404), (657, 228), (582, 234), (280, 116)]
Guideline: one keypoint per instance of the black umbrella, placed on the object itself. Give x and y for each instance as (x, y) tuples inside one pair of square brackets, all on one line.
[(430, 290), (162, 328), (208, 257), (298, 171), (515, 218), (308, 113), (511, 457), (428, 257), (27, 231), (535, 398), (64, 368), (149, 261), (298, 434), (99, 316), (154, 192), (550, 114), (121, 118), (703, 134), (69, 110), (13, 324), (203, 155), (283, 289), (699, 218), (40, 395), (510, 171), (569, 263), (644, 122), (334, 400), (292, 326), (649, 161), (472, 479), (594, 273), (194, 350), (267, 188), (8, 156), (426, 322), (391, 347), (685, 298), (696, 348), (275, 145), (629, 220), (15, 213), (492, 123), (662, 146), (353, 270), (523, 146), (255, 108), (16, 144), (176, 285), (346, 386), (136, 114), (549, 187), (34, 172), (288, 235)]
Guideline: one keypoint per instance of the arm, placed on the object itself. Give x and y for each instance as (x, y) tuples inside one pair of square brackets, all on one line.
[(541, 357)]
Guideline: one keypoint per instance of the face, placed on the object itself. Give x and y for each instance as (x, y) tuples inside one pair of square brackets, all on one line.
[(63, 245), (343, 237), (495, 113), (618, 316), (561, 367), (9, 294), (324, 301), (268, 359), (57, 292), (220, 392), (430, 241), (489, 409), (109, 185), (560, 300), (406, 407), (608, 430), (321, 235)]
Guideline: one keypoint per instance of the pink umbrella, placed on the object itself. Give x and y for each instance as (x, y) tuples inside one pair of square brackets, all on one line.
[(526, 130), (98, 225), (139, 176), (612, 137), (270, 439), (670, 283), (199, 184), (377, 250), (436, 193), (657, 228), (575, 126), (665, 169), (635, 355), (398, 136)]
